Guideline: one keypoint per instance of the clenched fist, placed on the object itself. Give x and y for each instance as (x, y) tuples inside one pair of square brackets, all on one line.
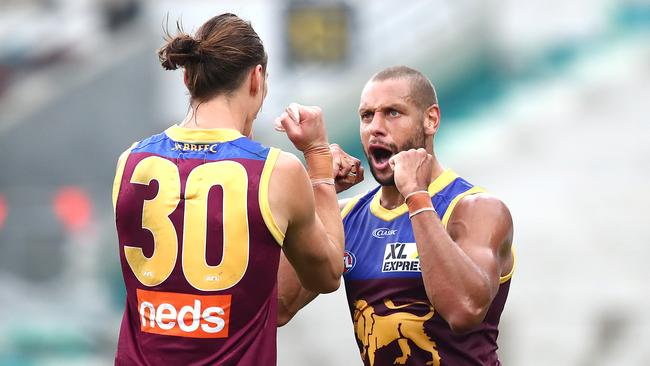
[(412, 170), (347, 169), (304, 126)]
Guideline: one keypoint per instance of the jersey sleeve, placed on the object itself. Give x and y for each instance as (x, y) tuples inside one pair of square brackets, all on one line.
[(265, 207), (121, 162)]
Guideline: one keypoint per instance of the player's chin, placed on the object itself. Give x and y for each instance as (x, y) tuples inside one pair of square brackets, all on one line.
[(384, 177)]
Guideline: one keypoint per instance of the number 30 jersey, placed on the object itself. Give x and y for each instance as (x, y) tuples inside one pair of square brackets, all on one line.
[(199, 250)]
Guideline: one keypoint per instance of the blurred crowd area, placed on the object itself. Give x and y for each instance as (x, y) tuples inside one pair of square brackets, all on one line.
[(543, 103)]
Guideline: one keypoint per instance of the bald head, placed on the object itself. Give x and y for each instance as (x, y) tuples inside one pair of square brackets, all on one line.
[(422, 92)]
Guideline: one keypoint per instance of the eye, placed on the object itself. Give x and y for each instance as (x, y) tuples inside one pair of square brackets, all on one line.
[(393, 113), (366, 117)]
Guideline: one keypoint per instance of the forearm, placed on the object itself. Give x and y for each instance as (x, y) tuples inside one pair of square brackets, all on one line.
[(319, 167), (327, 210), (291, 295), (318, 262), (457, 287), (331, 250)]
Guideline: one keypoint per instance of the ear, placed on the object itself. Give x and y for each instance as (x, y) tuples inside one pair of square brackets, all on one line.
[(431, 120), (257, 80)]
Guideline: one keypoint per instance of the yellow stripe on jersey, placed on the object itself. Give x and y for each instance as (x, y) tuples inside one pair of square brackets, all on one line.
[(178, 133), (454, 202), (265, 207), (447, 216), (506, 278), (119, 171), (442, 181), (350, 205)]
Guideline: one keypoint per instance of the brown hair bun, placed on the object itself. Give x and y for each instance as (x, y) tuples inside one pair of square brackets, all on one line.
[(179, 52), (217, 58)]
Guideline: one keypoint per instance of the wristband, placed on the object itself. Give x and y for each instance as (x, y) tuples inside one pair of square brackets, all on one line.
[(319, 162), (421, 210), (406, 199), (328, 181), (418, 200)]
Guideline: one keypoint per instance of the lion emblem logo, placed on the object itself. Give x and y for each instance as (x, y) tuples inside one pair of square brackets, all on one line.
[(378, 331)]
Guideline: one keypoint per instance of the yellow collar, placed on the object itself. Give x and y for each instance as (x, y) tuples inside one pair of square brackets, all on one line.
[(178, 133), (442, 181)]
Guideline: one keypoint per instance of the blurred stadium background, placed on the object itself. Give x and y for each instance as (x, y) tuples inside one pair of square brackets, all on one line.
[(543, 103)]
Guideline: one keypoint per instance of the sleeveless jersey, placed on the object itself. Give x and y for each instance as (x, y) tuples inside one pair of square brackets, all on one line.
[(394, 322), (199, 250)]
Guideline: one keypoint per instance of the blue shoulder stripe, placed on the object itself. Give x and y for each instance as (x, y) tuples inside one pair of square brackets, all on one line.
[(163, 145), (442, 199)]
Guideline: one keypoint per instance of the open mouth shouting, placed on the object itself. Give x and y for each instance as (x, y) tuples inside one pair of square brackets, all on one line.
[(379, 154)]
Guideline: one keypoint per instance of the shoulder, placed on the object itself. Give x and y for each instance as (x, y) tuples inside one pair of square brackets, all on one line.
[(151, 140), (256, 148), (287, 163), (119, 171), (348, 204), (343, 203), (482, 213), (125, 154), (481, 204), (289, 180)]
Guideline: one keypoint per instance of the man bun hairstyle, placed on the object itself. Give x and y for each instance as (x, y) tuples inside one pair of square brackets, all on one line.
[(179, 52), (217, 58)]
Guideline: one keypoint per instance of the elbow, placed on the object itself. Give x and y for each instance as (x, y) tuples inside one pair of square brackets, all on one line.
[(464, 316), (327, 283), (332, 286), (460, 325), (334, 279), (284, 316), (285, 312), (466, 319), (325, 286)]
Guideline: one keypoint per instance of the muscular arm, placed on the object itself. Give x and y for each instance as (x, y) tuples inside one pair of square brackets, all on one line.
[(305, 128), (291, 295), (461, 266), (313, 243)]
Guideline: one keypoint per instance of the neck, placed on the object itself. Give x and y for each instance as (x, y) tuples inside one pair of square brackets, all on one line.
[(391, 198), (219, 112)]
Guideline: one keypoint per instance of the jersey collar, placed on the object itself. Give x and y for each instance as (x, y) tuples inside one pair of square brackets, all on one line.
[(178, 133), (442, 181)]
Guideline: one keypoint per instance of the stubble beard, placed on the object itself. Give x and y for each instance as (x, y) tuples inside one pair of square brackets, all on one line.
[(418, 140)]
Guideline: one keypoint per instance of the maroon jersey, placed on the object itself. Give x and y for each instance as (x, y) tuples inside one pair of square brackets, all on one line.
[(199, 250), (394, 322)]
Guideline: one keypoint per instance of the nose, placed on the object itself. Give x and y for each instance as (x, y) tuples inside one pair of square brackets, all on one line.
[(377, 127)]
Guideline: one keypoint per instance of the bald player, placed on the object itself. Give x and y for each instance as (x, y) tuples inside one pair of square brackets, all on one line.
[(428, 255)]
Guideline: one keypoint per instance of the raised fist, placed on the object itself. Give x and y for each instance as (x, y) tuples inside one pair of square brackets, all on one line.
[(347, 169), (412, 170), (303, 125)]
